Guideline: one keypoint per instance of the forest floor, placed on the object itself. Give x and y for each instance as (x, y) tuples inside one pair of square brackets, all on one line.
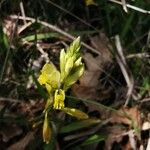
[(114, 90)]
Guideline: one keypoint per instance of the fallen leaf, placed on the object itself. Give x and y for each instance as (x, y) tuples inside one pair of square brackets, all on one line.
[(102, 44), (90, 86), (8, 132), (127, 116), (22, 144)]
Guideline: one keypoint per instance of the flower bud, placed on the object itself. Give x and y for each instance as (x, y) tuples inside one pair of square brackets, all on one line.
[(47, 132)]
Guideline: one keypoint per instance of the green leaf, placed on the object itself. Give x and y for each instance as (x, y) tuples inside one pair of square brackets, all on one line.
[(41, 36), (75, 113), (79, 125), (4, 42), (93, 139)]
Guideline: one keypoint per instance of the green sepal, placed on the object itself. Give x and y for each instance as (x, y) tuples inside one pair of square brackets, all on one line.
[(73, 77), (68, 66), (75, 113), (74, 47), (62, 63)]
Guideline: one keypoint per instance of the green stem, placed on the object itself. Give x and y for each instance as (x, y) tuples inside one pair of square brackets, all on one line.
[(93, 102)]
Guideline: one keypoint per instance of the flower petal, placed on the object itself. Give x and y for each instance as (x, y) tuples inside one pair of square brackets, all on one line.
[(50, 77), (59, 98)]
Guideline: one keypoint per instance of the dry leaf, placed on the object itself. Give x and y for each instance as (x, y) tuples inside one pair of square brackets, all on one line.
[(10, 131), (103, 45), (90, 86), (22, 144), (127, 116)]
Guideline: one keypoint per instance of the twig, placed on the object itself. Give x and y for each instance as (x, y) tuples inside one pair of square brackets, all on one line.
[(21, 29), (148, 39), (22, 12), (138, 55), (148, 144), (54, 28), (124, 68), (132, 7), (145, 100), (44, 55), (10, 100), (124, 5), (132, 139)]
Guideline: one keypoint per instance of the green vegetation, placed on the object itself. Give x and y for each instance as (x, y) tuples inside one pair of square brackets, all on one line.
[(63, 69)]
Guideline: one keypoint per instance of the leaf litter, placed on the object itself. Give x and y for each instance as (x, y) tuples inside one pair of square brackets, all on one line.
[(124, 128)]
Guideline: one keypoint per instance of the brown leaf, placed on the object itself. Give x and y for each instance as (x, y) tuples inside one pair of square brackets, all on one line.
[(90, 86), (102, 44), (90, 79), (22, 144), (84, 92), (119, 139), (114, 135), (8, 132), (127, 116)]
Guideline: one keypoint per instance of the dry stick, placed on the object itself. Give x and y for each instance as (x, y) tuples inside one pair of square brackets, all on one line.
[(148, 38), (124, 68), (140, 38), (132, 139), (10, 100), (56, 29), (132, 7), (148, 144), (21, 29), (145, 100), (124, 5), (22, 12), (139, 55), (44, 55)]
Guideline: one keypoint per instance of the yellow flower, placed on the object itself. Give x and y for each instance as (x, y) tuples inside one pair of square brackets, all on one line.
[(50, 77), (47, 132), (59, 98)]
